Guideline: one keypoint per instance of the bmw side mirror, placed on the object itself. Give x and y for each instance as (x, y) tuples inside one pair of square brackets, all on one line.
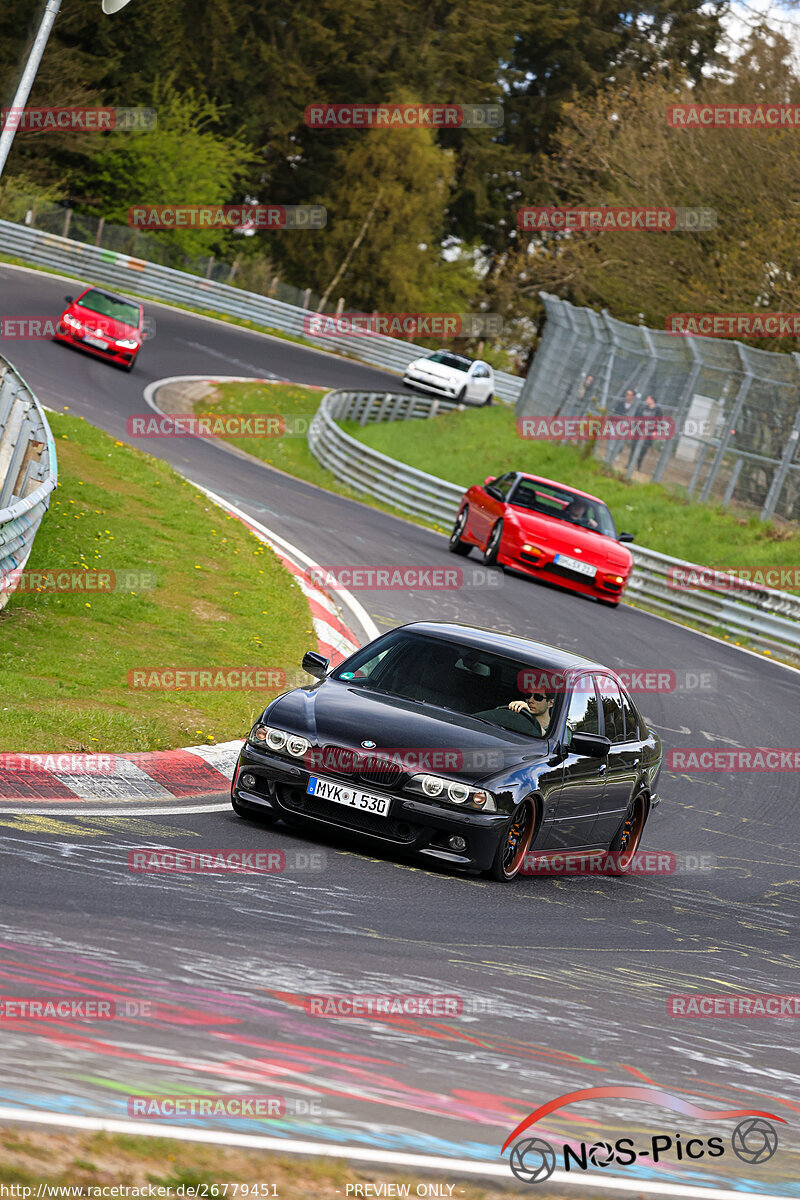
[(626, 537), (315, 664), (591, 745)]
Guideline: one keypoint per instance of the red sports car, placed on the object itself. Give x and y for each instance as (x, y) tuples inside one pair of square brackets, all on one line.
[(547, 530), (109, 326)]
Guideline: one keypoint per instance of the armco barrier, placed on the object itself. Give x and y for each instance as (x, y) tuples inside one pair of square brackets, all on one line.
[(120, 271), (768, 619), (28, 473)]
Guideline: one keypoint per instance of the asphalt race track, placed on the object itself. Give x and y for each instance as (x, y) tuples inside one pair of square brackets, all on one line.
[(564, 981)]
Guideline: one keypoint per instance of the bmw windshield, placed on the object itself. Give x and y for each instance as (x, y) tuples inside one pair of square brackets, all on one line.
[(450, 675)]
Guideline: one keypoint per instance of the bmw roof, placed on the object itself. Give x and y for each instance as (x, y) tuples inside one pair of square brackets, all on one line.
[(536, 653)]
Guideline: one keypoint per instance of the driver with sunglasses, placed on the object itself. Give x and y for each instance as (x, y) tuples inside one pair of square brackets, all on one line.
[(539, 706), (531, 716)]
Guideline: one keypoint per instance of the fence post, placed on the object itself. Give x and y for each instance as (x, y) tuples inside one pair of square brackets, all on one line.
[(98, 241), (722, 449), (67, 219), (610, 363), (731, 484)]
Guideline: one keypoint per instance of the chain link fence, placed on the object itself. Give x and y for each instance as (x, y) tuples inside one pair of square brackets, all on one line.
[(736, 410)]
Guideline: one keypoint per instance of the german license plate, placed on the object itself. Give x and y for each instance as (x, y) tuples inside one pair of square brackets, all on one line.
[(575, 564), (326, 789), (93, 341)]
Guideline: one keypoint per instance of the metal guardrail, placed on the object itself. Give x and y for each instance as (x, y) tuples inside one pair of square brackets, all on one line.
[(28, 474), (367, 470), (120, 271), (768, 619)]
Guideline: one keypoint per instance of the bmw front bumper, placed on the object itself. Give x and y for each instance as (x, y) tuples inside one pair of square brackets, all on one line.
[(412, 823)]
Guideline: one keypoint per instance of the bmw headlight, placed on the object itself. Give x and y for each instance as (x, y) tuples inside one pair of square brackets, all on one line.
[(451, 791), (279, 740)]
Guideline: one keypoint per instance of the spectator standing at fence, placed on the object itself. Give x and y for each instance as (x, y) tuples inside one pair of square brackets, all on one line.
[(651, 412), (623, 410)]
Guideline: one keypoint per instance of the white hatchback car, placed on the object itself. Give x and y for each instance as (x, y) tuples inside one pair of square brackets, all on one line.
[(464, 380)]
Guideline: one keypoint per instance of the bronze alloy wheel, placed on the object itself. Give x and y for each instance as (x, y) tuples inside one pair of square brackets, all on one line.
[(514, 843), (627, 840)]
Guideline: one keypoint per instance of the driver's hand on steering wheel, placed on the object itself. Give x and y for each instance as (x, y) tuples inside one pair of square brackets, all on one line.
[(519, 706)]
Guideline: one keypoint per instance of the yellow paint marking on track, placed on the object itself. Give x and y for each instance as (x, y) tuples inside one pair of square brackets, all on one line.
[(32, 824), (91, 827), (132, 825)]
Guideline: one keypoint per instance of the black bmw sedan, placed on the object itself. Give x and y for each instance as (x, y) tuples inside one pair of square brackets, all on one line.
[(483, 750)]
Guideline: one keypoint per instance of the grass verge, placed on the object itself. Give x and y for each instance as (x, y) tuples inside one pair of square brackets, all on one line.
[(99, 1160), (202, 593), (290, 454)]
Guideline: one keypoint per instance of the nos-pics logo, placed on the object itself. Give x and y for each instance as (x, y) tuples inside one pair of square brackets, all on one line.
[(534, 1160)]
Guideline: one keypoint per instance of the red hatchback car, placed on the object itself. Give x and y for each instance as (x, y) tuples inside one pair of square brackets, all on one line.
[(546, 530), (109, 326)]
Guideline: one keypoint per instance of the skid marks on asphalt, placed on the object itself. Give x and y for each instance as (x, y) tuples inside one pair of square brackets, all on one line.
[(91, 827)]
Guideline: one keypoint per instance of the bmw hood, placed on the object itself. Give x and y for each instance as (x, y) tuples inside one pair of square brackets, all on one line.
[(420, 737)]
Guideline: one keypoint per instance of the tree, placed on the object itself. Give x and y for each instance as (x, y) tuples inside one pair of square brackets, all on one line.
[(181, 161), (394, 269), (619, 150)]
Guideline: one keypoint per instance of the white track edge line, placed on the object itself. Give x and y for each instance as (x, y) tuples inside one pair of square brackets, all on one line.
[(389, 1158), (76, 808)]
